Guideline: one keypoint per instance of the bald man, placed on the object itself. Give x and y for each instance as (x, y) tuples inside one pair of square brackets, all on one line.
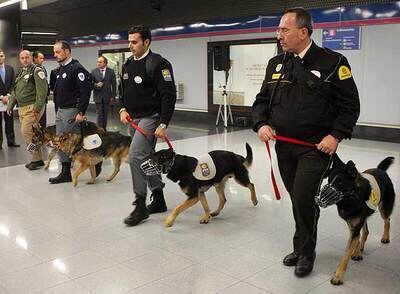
[(29, 92)]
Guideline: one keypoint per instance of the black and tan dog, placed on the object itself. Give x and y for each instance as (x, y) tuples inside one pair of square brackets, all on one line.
[(361, 195), (114, 145), (185, 169), (45, 137)]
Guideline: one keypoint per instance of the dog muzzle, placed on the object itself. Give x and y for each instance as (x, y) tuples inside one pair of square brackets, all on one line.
[(32, 147), (150, 168), (328, 196)]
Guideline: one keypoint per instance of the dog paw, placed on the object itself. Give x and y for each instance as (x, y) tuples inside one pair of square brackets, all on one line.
[(357, 257), (90, 183), (336, 281), (385, 240), (109, 179), (255, 202), (214, 213), (205, 219), (168, 222), (74, 184)]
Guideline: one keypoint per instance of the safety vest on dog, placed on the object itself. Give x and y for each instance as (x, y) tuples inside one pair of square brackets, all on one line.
[(375, 196), (205, 169), (92, 142)]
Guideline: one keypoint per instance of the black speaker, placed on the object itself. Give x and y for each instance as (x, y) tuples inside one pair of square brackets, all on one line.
[(221, 57)]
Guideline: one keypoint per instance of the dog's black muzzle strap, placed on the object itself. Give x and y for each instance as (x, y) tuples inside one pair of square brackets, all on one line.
[(328, 195)]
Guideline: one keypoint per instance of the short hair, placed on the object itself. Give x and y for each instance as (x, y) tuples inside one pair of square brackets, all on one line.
[(142, 30), (64, 45), (36, 54), (303, 18), (104, 58), (25, 51)]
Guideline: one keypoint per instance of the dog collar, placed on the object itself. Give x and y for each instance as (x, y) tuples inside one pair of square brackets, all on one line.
[(375, 196)]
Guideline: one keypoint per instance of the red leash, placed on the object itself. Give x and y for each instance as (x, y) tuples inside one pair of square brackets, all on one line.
[(288, 140), (133, 124)]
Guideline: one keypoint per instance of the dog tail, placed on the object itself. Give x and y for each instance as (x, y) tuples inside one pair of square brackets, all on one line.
[(249, 156), (386, 163)]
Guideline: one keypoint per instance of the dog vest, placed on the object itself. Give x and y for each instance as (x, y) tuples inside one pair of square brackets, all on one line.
[(375, 196), (91, 142), (205, 169)]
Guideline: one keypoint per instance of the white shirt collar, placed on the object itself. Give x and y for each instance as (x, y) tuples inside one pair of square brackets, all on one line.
[(303, 53), (66, 61), (143, 56)]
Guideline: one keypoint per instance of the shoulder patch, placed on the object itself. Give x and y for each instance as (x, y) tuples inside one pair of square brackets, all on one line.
[(41, 75), (166, 75), (344, 73), (81, 76)]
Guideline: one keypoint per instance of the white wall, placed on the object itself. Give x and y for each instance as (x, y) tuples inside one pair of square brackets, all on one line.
[(374, 69)]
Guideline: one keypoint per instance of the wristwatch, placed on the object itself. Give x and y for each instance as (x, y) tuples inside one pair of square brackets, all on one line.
[(162, 126)]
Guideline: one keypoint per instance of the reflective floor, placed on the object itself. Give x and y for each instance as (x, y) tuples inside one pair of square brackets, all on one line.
[(60, 239)]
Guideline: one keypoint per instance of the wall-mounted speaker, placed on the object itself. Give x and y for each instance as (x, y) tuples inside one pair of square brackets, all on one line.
[(221, 57)]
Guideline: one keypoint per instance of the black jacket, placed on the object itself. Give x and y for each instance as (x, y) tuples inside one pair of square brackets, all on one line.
[(315, 96), (72, 86), (147, 91), (8, 84)]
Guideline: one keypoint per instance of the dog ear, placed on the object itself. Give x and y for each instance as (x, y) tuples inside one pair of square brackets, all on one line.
[(337, 162), (191, 163), (351, 169)]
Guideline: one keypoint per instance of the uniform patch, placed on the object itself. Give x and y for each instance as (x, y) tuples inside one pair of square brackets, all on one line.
[(276, 76), (344, 73), (138, 80), (316, 73), (278, 67), (81, 76), (64, 75), (125, 76), (167, 75), (41, 75), (205, 169), (26, 76)]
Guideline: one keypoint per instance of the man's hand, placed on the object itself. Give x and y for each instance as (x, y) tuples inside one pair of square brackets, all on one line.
[(266, 133), (328, 144), (9, 112), (4, 99), (123, 116), (79, 118), (99, 85), (160, 133)]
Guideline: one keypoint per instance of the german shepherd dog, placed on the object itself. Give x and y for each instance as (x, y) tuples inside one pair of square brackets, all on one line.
[(181, 168), (114, 145), (360, 194), (45, 137)]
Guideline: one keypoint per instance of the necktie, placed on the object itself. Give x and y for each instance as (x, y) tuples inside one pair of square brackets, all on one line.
[(103, 72), (3, 74)]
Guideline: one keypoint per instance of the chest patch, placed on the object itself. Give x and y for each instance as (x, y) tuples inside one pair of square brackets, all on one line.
[(278, 67), (276, 76), (138, 80), (205, 169), (64, 75), (26, 76), (375, 196), (125, 76), (81, 76)]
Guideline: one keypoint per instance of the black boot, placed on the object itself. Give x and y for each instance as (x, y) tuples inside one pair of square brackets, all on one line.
[(98, 168), (157, 202), (64, 176), (304, 265), (291, 259), (138, 214)]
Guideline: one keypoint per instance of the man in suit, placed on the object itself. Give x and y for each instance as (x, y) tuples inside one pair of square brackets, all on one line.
[(104, 90), (7, 79)]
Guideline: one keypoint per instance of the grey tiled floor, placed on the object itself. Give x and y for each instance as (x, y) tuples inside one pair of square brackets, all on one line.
[(60, 239)]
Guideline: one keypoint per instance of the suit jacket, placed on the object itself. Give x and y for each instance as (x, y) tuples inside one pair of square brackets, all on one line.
[(6, 87), (108, 91)]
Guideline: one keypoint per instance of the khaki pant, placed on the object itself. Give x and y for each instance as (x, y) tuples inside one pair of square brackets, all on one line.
[(27, 120)]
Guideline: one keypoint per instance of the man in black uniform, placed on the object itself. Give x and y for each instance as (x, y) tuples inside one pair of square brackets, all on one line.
[(308, 94), (72, 89), (148, 97)]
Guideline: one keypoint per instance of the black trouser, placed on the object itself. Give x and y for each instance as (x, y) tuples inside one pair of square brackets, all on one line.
[(102, 114), (9, 125), (301, 169)]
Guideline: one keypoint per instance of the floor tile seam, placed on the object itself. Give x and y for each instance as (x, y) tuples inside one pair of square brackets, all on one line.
[(377, 267), (22, 269)]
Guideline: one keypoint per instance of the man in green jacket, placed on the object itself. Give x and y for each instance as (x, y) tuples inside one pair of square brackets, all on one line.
[(29, 93)]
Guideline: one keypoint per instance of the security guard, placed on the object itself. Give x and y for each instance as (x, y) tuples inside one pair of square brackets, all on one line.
[(29, 92), (308, 94), (72, 89), (149, 97)]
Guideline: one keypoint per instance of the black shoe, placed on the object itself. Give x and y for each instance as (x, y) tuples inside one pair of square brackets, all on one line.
[(34, 165), (64, 176), (98, 168), (139, 214), (12, 144), (157, 204), (291, 259), (304, 265)]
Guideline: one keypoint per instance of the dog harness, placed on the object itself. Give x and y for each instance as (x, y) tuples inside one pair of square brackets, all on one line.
[(205, 169), (375, 196)]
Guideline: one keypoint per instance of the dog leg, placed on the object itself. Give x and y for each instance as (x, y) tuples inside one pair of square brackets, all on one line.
[(337, 279), (76, 174), (49, 159), (220, 188), (386, 227), (253, 193), (357, 254), (117, 165), (92, 174), (206, 217), (177, 210)]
